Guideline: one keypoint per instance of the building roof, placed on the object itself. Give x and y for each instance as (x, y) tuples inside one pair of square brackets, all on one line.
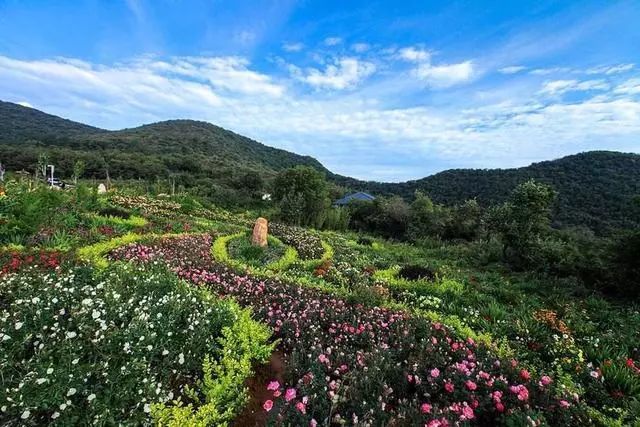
[(354, 196)]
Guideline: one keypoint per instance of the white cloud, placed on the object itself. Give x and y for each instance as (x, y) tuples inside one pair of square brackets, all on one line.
[(611, 69), (443, 76), (547, 71), (360, 47), (413, 54), (558, 87), (332, 41), (24, 104), (513, 69), (630, 87), (344, 73), (396, 141), (293, 47)]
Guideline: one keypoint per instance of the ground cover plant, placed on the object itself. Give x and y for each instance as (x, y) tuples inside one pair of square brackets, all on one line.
[(368, 331), (84, 347)]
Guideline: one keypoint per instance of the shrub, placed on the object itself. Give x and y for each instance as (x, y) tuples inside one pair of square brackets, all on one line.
[(88, 347), (417, 272)]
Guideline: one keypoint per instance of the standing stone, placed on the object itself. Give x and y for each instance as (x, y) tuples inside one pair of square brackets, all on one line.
[(102, 189), (259, 236)]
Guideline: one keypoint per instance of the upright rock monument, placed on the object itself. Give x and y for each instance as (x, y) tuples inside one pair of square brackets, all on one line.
[(259, 236)]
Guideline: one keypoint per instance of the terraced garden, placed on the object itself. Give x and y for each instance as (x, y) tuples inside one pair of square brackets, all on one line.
[(127, 309)]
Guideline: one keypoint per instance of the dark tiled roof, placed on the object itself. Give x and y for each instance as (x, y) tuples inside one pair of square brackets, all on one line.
[(355, 196)]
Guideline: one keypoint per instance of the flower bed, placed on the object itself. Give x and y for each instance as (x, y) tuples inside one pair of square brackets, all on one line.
[(110, 348), (146, 205), (308, 245), (220, 253), (14, 261), (349, 363)]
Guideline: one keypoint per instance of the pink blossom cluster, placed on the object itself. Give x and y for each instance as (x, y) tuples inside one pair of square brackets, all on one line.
[(348, 363)]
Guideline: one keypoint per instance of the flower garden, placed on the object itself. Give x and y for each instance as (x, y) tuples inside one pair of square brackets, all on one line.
[(122, 309)]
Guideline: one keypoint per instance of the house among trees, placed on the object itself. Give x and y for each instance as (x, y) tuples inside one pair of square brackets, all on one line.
[(359, 196)]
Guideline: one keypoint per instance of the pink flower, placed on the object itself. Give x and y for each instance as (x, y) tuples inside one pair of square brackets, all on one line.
[(525, 375), (470, 385), (545, 380), (467, 412), (290, 394), (301, 407), (410, 378), (564, 404), (313, 423), (449, 387), (499, 407), (435, 372), (273, 385), (425, 408), (268, 405)]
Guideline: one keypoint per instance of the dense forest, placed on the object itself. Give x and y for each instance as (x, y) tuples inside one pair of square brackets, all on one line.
[(595, 189)]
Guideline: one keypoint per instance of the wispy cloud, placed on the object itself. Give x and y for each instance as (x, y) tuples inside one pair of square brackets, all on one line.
[(513, 69), (293, 47), (558, 87), (343, 73), (446, 75), (610, 69), (360, 47), (332, 41), (337, 124), (413, 54)]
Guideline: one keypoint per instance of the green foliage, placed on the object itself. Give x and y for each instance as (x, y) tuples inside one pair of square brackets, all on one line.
[(523, 221), (302, 194), (222, 393), (118, 341)]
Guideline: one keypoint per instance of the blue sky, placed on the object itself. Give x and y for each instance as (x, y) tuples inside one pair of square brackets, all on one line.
[(385, 90)]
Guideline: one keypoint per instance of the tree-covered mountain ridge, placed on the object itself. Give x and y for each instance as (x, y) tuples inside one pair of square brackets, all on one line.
[(595, 188)]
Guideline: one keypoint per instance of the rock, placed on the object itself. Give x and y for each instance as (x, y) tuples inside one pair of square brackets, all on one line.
[(259, 236), (102, 189)]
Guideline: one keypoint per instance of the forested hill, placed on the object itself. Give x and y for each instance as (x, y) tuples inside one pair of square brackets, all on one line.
[(595, 189), (198, 153)]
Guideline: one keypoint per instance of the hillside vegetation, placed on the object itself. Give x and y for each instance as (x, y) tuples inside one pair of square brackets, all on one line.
[(595, 189)]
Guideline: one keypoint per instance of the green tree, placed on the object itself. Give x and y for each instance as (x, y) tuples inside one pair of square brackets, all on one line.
[(302, 195), (426, 219), (523, 222), (78, 169)]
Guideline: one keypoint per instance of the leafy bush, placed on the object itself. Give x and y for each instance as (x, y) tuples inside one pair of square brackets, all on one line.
[(89, 347), (308, 244)]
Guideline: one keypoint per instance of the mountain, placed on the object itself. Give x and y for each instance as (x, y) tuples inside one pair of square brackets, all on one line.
[(198, 154), (595, 188)]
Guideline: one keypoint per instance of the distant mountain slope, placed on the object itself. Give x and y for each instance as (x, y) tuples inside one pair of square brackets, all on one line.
[(595, 188), (18, 123), (195, 150)]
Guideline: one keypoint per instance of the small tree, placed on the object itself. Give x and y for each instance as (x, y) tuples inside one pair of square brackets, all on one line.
[(523, 221), (426, 218), (302, 195), (78, 170)]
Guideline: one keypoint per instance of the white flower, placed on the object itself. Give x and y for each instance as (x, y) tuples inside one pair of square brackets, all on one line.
[(91, 397), (55, 415), (5, 337), (165, 352), (75, 361), (87, 301), (95, 314), (71, 391), (19, 325), (41, 380), (181, 358), (147, 408), (49, 371), (63, 406), (25, 414), (35, 300), (4, 408), (71, 334), (149, 347)]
